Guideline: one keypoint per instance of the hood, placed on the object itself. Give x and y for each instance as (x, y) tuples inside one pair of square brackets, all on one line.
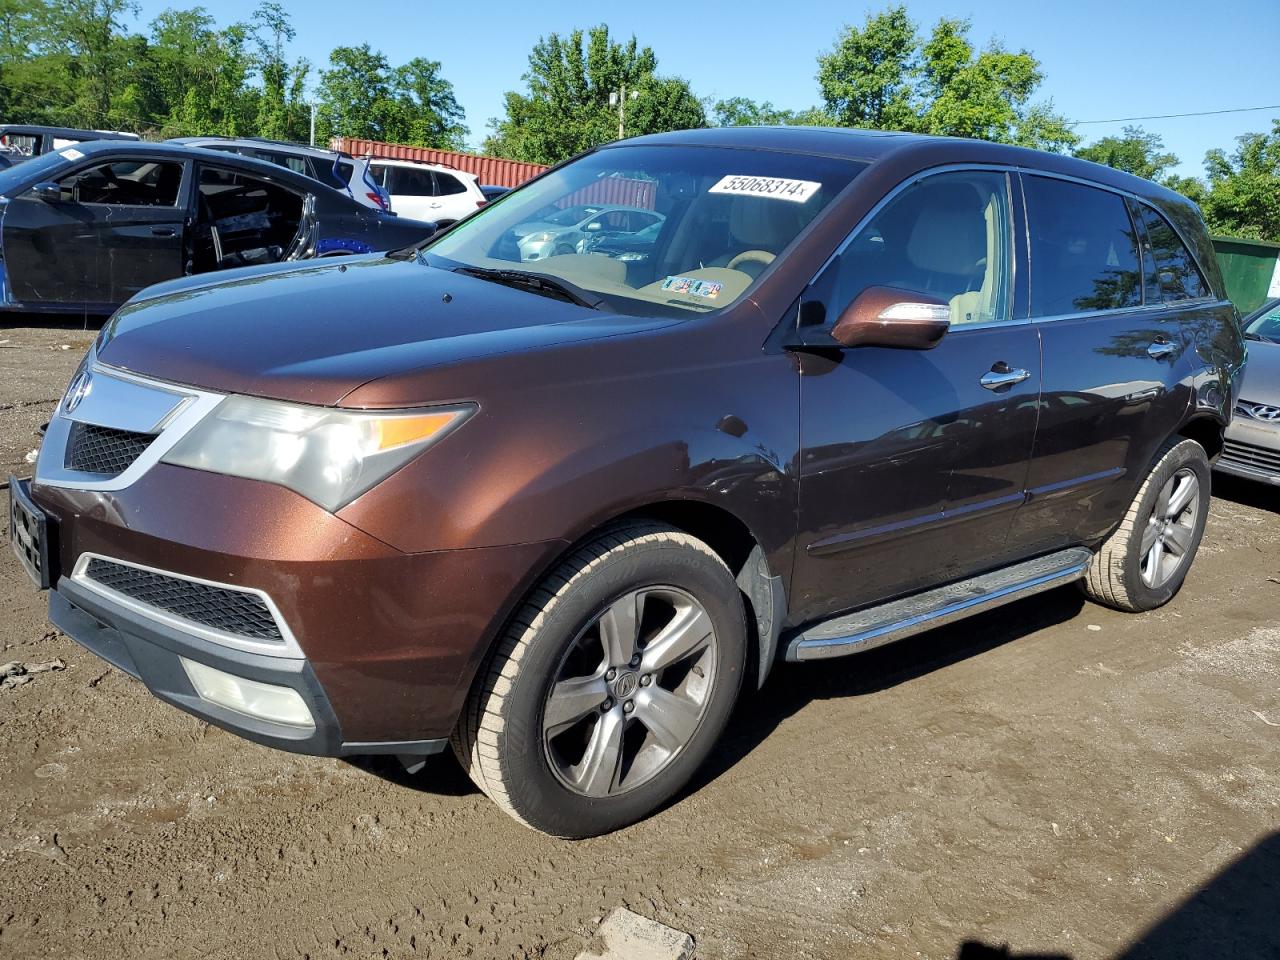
[(314, 332), (1261, 382)]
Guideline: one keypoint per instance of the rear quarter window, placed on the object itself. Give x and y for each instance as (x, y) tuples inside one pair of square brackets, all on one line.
[(449, 184), (1172, 274)]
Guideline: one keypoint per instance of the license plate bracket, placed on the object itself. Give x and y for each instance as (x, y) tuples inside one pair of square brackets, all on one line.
[(29, 534)]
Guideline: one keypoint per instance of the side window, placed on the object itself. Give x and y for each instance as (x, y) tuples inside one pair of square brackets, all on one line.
[(132, 183), (948, 236), (289, 161), (449, 184), (379, 174), (1172, 274), (1084, 252), (409, 182)]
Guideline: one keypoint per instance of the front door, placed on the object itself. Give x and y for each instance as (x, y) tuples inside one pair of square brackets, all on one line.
[(115, 228), (914, 461)]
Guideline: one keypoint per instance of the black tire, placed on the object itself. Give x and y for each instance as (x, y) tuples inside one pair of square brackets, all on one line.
[(1115, 576), (500, 740)]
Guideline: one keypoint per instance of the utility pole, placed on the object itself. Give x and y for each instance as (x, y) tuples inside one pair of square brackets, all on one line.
[(618, 98), (313, 123)]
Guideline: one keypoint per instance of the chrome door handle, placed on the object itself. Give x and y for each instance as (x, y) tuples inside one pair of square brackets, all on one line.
[(1003, 375), (1161, 349)]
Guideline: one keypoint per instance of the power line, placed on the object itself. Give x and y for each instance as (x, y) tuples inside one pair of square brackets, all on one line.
[(1172, 116)]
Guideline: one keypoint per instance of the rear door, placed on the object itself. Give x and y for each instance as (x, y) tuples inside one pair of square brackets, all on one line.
[(911, 466), (1115, 359), (117, 227)]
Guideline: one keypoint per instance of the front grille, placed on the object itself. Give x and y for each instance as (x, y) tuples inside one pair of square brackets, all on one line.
[(104, 450), (1252, 456), (231, 611)]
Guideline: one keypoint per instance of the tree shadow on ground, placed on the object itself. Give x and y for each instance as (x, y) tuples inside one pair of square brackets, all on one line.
[(1235, 914)]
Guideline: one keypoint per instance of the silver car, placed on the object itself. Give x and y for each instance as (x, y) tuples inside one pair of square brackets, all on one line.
[(570, 230), (1253, 437)]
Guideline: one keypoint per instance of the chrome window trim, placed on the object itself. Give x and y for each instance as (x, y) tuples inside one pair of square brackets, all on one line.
[(193, 407), (288, 650), (1020, 170)]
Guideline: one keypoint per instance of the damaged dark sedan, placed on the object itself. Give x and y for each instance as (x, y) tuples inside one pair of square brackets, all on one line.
[(86, 227)]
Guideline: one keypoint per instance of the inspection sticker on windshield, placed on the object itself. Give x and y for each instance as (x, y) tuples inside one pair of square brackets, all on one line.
[(779, 188), (707, 289), (71, 153)]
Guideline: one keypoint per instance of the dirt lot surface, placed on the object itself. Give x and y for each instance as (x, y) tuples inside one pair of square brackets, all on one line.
[(1054, 777)]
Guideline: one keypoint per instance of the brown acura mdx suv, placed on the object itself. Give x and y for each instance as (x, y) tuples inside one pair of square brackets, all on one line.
[(821, 390)]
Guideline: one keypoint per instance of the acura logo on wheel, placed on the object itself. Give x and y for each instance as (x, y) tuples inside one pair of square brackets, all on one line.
[(78, 390), (1261, 412)]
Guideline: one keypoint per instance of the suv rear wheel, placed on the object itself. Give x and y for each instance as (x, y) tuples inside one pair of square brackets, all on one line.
[(1142, 565), (611, 685)]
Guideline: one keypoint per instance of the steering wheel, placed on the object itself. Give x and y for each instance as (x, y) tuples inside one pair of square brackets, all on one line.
[(753, 256)]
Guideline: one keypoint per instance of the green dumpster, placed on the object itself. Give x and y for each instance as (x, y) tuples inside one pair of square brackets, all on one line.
[(1251, 270)]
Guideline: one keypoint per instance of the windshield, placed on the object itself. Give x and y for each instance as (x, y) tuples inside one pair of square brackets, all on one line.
[(721, 216), (43, 167), (1266, 322)]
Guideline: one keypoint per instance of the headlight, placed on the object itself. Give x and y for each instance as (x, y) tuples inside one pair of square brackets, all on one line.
[(328, 456), (543, 237)]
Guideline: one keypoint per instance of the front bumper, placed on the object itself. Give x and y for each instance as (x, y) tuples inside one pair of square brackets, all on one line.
[(383, 645), (1251, 450), (152, 651)]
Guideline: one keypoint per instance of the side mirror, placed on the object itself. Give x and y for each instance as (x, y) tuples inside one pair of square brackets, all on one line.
[(47, 191), (890, 317)]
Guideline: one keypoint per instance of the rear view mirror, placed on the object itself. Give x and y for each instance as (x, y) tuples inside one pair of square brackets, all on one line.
[(47, 191), (890, 317)]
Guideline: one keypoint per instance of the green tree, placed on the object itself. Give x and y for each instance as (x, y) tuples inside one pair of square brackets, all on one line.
[(566, 108), (103, 60), (200, 74), (429, 114), (35, 72), (1134, 151), (1243, 199), (744, 112), (362, 95), (885, 76), (282, 114)]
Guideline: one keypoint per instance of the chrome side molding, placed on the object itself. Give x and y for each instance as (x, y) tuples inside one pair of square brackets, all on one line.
[(888, 622)]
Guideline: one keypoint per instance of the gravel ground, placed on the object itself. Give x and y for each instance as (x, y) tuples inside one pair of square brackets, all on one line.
[(1050, 779)]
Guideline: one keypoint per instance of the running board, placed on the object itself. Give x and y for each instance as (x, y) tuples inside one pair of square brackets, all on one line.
[(876, 626)]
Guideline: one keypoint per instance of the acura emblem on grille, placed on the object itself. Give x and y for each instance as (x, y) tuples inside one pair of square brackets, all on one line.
[(78, 390), (1262, 412)]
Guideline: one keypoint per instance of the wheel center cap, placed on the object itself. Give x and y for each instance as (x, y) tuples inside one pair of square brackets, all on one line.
[(625, 685)]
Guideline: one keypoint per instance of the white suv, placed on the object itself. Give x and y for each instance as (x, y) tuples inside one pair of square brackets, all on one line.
[(428, 191)]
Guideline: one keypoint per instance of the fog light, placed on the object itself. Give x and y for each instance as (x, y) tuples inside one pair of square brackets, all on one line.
[(265, 701)]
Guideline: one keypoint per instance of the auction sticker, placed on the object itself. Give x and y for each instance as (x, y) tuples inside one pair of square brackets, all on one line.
[(777, 188), (71, 153), (707, 289)]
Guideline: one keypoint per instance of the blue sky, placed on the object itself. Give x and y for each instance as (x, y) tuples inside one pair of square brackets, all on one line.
[(1101, 58)]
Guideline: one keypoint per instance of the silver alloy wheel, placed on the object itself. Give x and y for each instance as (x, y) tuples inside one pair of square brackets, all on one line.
[(630, 691), (1171, 528)]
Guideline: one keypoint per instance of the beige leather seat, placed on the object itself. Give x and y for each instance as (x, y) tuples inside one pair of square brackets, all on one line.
[(759, 227)]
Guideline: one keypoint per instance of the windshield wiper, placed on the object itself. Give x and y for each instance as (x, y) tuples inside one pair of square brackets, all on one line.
[(1258, 336), (541, 283)]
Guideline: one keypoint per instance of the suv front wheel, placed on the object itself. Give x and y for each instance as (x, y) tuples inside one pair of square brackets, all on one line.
[(1142, 565), (611, 685)]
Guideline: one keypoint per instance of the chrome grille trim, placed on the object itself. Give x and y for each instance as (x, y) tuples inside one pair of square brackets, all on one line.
[(186, 407), (285, 647)]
